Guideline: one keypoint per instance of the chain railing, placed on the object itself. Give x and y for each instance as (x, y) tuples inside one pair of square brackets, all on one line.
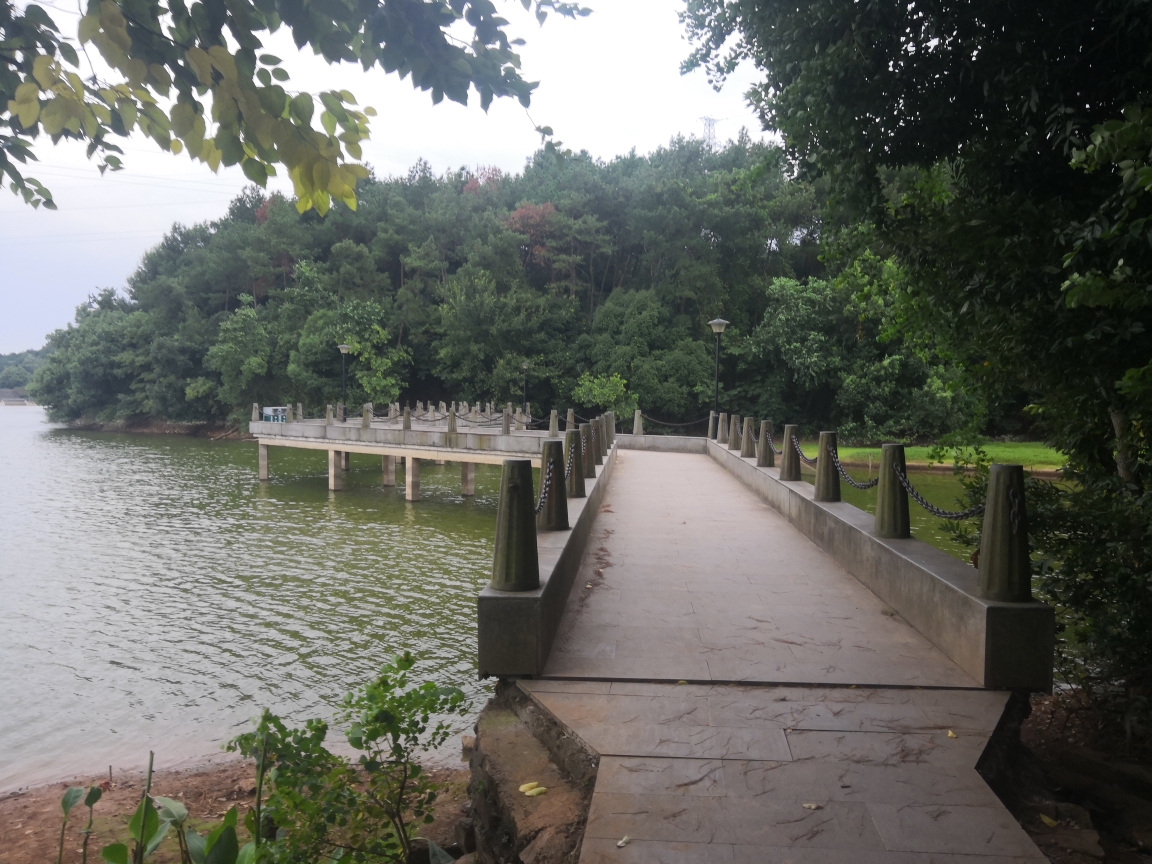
[(772, 444), (666, 423), (545, 487), (954, 515), (571, 461), (803, 458), (851, 482)]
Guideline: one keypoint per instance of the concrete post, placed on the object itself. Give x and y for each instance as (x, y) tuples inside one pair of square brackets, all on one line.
[(765, 455), (467, 479), (345, 460), (388, 469), (475, 415), (722, 429), (452, 420), (443, 407), (891, 500), (288, 418), (407, 418), (570, 421), (519, 420), (506, 422), (789, 460), (553, 424), (262, 461), (256, 415), (586, 448), (335, 471), (554, 515), (637, 423), (574, 484), (515, 564), (411, 478), (328, 415), (711, 424), (747, 441), (341, 412), (1005, 569), (392, 411), (597, 425), (366, 416), (827, 477), (734, 432), (610, 422)]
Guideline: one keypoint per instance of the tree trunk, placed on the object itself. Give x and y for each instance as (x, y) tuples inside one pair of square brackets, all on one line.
[(1125, 462)]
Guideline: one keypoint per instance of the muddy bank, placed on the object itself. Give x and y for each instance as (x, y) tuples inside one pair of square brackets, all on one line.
[(152, 426)]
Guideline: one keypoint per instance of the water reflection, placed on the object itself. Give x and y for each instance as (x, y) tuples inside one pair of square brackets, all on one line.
[(156, 595)]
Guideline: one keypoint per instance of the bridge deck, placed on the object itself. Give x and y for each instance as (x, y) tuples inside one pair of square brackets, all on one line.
[(729, 674)]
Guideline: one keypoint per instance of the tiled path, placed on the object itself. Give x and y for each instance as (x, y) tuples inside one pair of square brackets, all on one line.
[(752, 702)]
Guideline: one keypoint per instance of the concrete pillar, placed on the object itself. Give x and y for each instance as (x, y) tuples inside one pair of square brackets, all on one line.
[(262, 461), (407, 417), (388, 469), (341, 412), (475, 415), (411, 478), (570, 421), (827, 477), (722, 428), (288, 418), (392, 412), (299, 410), (519, 419), (467, 478), (574, 483), (765, 455), (747, 442), (328, 415), (366, 416), (734, 432), (256, 415), (443, 407), (598, 440), (346, 460), (554, 515), (711, 424), (789, 460), (335, 470), (610, 437), (452, 420), (515, 563), (603, 418), (892, 519), (553, 424), (586, 448), (1005, 569), (637, 423), (506, 422)]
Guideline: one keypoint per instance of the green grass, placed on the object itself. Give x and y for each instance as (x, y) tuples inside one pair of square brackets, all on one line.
[(1030, 454)]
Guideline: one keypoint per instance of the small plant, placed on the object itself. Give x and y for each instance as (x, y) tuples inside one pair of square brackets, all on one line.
[(71, 799)]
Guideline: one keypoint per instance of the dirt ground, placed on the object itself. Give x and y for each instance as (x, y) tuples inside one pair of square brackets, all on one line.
[(30, 820)]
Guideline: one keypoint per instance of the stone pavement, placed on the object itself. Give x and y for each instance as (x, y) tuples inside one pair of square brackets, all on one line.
[(752, 702)]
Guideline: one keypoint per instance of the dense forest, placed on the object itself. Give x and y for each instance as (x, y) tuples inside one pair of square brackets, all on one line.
[(444, 286)]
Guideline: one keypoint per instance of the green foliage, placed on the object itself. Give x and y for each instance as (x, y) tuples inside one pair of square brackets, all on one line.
[(608, 392)]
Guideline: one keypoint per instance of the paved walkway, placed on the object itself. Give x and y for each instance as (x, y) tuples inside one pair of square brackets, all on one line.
[(752, 702)]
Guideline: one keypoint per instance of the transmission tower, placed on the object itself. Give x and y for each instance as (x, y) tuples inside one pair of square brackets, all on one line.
[(709, 131)]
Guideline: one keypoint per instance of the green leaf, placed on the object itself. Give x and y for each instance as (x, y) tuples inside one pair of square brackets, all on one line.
[(329, 122), (302, 108), (71, 798), (254, 170), (196, 846), (269, 59), (279, 74), (170, 810), (264, 76), (226, 849), (247, 853), (144, 823), (117, 853), (69, 53), (94, 795), (156, 838)]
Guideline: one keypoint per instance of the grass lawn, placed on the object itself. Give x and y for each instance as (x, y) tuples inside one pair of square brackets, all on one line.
[(1030, 454)]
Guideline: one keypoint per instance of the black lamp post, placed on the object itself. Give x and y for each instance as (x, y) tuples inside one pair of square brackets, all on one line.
[(344, 349), (524, 366), (717, 325)]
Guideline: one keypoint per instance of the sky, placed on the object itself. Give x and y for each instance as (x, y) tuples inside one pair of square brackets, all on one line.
[(609, 83)]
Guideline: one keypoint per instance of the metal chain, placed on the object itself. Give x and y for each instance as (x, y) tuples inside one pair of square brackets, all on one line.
[(803, 458), (665, 423), (856, 483), (1014, 499), (955, 515), (772, 444), (545, 487), (571, 460)]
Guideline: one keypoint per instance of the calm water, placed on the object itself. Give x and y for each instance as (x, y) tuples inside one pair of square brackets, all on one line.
[(155, 595)]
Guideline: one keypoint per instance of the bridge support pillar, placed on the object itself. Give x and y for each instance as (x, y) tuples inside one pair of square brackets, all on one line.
[(335, 470), (262, 460), (388, 469), (467, 479), (411, 478), (827, 478), (345, 460), (789, 460)]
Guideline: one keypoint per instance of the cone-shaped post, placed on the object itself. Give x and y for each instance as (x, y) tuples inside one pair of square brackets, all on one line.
[(506, 422), (637, 423), (328, 415), (789, 460), (597, 441), (765, 455), (341, 412), (366, 416), (288, 418), (515, 564), (722, 429), (1005, 569), (452, 420), (299, 410), (603, 439), (711, 424), (734, 431), (891, 500), (574, 484), (747, 441), (255, 412), (610, 428), (827, 477), (407, 424), (554, 515), (553, 424), (586, 447), (570, 421)]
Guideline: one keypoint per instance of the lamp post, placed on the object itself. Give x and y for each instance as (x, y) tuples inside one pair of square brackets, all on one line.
[(344, 349), (524, 366), (717, 325)]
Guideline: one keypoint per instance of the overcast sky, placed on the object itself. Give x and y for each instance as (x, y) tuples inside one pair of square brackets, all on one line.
[(608, 83)]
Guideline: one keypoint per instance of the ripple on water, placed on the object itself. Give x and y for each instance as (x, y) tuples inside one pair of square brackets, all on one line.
[(156, 596)]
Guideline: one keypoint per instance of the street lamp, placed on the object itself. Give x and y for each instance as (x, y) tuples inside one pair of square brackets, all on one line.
[(717, 325), (344, 349), (524, 366)]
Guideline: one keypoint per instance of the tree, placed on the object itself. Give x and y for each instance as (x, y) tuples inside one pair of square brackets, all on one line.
[(165, 60)]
